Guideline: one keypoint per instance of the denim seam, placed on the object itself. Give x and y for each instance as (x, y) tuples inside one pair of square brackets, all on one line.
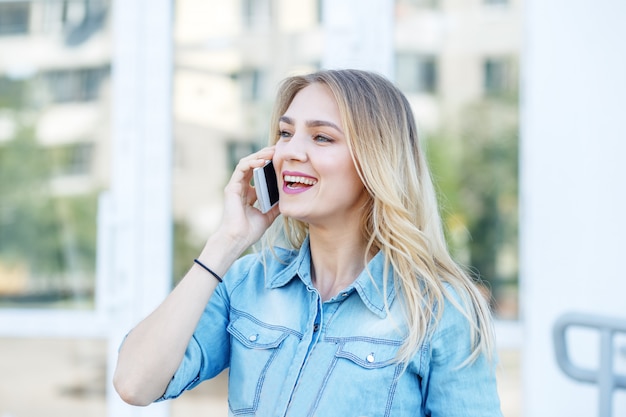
[(323, 386), (259, 387), (376, 341), (265, 325), (392, 389)]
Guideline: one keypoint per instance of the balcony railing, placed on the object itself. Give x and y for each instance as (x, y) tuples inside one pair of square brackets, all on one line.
[(607, 379)]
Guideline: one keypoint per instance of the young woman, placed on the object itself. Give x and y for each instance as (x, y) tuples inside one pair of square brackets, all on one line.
[(355, 307)]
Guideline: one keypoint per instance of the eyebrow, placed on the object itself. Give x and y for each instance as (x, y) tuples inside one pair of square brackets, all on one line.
[(311, 123)]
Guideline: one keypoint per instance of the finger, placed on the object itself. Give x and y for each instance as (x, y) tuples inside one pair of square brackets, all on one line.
[(243, 170), (241, 178), (250, 197), (261, 155)]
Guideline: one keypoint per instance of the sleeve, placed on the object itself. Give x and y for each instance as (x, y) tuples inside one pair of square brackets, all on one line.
[(452, 387), (208, 352)]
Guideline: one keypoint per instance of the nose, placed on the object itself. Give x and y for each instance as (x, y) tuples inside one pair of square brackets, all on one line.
[(292, 149)]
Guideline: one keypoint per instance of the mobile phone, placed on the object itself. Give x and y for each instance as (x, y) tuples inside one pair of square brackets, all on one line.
[(266, 186)]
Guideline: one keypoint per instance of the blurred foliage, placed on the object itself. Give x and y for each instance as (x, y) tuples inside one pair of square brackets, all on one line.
[(50, 234), (475, 170), (13, 93), (184, 251)]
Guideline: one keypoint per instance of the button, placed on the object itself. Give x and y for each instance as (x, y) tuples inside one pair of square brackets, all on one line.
[(370, 357), (253, 337), (345, 294), (316, 327)]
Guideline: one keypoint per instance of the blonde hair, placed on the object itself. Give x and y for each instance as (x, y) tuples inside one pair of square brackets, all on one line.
[(402, 217)]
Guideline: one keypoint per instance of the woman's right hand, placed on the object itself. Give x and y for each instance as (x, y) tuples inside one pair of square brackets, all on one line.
[(242, 221)]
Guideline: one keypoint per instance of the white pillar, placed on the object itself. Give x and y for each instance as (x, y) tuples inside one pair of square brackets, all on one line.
[(140, 224), (573, 192), (359, 35)]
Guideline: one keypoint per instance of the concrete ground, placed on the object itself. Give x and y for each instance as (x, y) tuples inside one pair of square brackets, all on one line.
[(66, 378)]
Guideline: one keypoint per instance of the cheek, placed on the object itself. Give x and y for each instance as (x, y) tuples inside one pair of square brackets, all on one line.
[(279, 151), (352, 176)]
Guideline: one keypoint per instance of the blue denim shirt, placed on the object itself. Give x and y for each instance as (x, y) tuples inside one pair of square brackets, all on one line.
[(290, 354)]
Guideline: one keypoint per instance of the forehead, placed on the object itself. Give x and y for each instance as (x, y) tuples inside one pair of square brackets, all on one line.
[(314, 102)]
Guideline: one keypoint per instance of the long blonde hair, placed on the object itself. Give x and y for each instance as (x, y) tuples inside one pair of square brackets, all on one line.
[(402, 217)]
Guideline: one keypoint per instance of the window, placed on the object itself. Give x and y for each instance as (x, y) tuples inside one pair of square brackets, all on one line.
[(72, 85), (92, 20), (255, 13), (251, 82), (319, 8), (498, 76), (416, 73), (14, 18), (74, 20)]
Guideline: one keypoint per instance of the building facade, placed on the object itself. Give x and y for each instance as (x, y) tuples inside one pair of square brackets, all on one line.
[(446, 55)]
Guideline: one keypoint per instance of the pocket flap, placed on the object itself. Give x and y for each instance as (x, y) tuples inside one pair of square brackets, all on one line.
[(369, 352), (256, 335)]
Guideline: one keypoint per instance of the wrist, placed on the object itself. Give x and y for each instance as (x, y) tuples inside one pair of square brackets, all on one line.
[(209, 270), (233, 242), (221, 250)]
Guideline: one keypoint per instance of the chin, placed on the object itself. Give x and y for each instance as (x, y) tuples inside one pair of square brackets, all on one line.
[(296, 213)]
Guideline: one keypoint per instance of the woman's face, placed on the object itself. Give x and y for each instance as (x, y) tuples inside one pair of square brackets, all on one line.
[(317, 178)]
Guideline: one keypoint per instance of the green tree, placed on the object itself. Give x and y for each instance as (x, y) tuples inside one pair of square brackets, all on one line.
[(53, 235), (476, 173)]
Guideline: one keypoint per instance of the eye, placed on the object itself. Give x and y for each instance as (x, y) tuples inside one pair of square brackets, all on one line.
[(322, 139), (283, 134)]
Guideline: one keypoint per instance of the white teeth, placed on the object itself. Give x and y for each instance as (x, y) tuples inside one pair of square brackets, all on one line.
[(301, 180)]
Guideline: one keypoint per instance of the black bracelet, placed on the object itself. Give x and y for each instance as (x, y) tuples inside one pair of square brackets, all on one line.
[(209, 270)]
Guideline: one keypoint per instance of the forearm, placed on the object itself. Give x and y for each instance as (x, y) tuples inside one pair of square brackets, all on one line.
[(154, 349)]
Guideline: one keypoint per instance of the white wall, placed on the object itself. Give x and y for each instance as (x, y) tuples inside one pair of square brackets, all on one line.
[(573, 191)]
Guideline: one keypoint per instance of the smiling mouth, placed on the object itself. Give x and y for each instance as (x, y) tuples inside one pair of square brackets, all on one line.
[(293, 181)]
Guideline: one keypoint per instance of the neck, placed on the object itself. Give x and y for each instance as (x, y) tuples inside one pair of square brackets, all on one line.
[(336, 259)]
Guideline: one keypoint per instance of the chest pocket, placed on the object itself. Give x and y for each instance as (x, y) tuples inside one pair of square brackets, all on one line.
[(254, 349), (372, 363)]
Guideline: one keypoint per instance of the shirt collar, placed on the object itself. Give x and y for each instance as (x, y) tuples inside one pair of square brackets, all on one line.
[(369, 285)]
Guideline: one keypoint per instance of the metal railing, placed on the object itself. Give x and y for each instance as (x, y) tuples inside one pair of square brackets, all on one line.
[(605, 376)]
